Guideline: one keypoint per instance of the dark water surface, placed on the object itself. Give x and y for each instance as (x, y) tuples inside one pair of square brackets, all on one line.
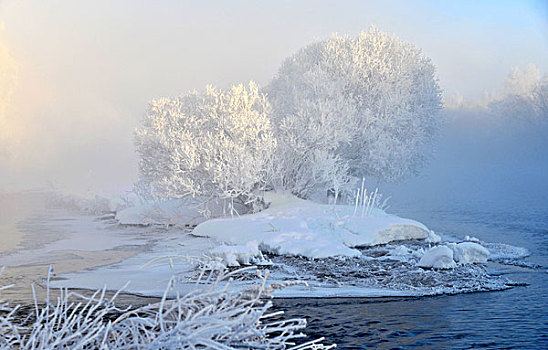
[(511, 319)]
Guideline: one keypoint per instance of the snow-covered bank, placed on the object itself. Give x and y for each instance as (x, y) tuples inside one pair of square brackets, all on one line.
[(337, 252), (382, 270), (292, 226)]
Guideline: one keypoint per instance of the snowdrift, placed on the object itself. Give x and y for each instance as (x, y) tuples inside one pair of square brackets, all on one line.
[(292, 226)]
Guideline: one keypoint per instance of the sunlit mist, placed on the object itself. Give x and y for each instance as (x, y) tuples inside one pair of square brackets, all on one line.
[(86, 70)]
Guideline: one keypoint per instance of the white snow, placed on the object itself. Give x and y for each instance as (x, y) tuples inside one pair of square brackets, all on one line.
[(237, 255), (469, 252), (68, 232), (292, 226), (433, 237), (472, 239), (440, 257), (173, 245), (446, 256), (148, 272), (500, 251), (403, 253)]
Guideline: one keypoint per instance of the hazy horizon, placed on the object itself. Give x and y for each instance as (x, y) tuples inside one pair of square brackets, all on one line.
[(86, 70)]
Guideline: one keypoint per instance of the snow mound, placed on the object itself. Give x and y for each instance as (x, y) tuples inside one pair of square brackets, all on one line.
[(440, 257), (471, 239), (179, 212), (469, 252), (446, 256), (240, 255), (292, 226), (433, 237)]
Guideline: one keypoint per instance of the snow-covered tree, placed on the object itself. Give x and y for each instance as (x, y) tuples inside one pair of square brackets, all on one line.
[(212, 145), (522, 83), (524, 97), (311, 133), (368, 105)]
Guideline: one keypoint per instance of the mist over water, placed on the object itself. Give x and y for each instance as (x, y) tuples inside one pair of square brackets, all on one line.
[(481, 161)]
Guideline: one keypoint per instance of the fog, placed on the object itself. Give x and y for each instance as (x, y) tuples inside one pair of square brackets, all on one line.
[(482, 162), (85, 71)]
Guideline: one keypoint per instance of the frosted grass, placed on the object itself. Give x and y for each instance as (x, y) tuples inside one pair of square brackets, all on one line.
[(212, 316)]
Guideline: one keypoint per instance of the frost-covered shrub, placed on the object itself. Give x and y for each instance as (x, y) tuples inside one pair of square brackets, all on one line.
[(211, 317), (217, 144), (368, 105)]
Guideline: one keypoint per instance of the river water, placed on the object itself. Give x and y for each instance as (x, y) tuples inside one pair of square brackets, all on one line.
[(512, 319)]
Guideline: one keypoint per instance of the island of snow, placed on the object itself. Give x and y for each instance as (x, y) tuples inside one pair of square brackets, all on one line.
[(339, 250), (292, 226)]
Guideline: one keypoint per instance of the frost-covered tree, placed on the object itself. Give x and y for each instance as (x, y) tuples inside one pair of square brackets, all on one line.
[(522, 83), (524, 97), (310, 135), (212, 145), (368, 105)]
